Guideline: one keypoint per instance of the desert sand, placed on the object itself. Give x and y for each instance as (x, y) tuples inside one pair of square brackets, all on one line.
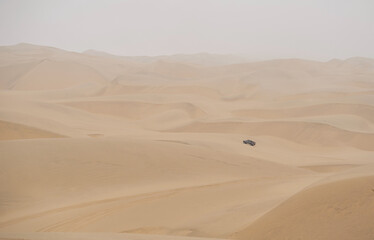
[(97, 146)]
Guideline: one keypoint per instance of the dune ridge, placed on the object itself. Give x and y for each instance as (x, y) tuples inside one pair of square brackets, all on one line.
[(14, 131)]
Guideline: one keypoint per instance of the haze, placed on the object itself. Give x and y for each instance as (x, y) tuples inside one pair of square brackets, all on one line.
[(319, 30)]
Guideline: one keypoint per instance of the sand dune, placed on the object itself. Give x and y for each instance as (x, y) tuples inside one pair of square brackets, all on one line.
[(53, 75), (12, 131), (11, 73), (94, 236), (96, 146), (301, 132), (135, 110), (364, 111), (124, 157), (337, 210), (202, 59)]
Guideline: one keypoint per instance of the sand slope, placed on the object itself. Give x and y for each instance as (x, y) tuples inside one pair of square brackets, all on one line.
[(96, 146), (12, 131), (337, 210)]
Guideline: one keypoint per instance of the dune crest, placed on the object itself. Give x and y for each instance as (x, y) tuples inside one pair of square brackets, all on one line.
[(14, 131)]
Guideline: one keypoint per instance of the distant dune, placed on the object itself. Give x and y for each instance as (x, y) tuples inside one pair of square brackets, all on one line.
[(98, 146), (204, 59)]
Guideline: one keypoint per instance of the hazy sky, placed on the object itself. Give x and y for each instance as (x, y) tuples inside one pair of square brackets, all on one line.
[(261, 29)]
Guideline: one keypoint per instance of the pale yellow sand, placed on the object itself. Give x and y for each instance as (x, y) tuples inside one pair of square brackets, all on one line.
[(337, 210), (12, 131), (94, 146)]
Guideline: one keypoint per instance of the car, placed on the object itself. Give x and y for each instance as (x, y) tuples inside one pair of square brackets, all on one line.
[(250, 142)]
